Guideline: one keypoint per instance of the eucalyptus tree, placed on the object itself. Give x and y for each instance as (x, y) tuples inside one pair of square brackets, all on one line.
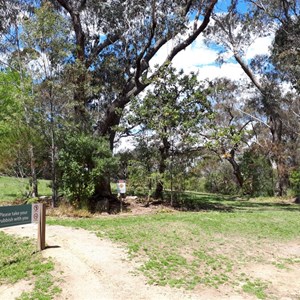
[(17, 137), (234, 32), (45, 38), (11, 114), (8, 16), (12, 59), (285, 54), (228, 132), (115, 43), (171, 113), (141, 165), (286, 58)]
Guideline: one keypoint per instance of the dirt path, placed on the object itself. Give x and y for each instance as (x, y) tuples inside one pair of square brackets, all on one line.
[(91, 268)]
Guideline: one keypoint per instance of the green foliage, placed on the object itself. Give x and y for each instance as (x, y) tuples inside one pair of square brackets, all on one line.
[(83, 161), (139, 176), (221, 180), (11, 116), (18, 124), (139, 167), (258, 174), (176, 106), (193, 183), (256, 287), (284, 57), (170, 116), (295, 182), (46, 32)]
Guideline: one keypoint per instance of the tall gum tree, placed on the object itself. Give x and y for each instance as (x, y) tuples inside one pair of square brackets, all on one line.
[(171, 114), (12, 58), (234, 32), (228, 131), (45, 36), (116, 41)]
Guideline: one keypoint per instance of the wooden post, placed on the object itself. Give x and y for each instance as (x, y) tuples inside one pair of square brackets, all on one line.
[(41, 239)]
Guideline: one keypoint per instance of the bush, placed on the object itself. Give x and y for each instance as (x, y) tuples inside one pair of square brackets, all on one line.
[(258, 174), (83, 161), (221, 180), (295, 182)]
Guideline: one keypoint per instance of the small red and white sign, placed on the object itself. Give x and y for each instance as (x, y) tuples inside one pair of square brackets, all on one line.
[(35, 213), (121, 185)]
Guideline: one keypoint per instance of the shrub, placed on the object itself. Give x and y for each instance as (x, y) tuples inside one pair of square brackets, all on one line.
[(221, 180), (258, 174), (295, 182), (83, 161)]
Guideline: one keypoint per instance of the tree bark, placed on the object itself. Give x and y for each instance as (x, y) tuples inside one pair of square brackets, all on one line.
[(33, 179), (100, 201), (275, 125), (164, 154), (53, 165), (237, 171)]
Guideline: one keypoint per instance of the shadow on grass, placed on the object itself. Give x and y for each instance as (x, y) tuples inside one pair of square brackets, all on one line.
[(200, 202), (12, 195), (265, 206), (215, 202)]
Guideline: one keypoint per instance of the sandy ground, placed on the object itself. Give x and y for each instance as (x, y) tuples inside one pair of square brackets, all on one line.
[(89, 268)]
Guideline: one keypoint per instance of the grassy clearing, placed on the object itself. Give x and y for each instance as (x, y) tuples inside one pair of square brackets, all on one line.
[(12, 188), (19, 260), (210, 247)]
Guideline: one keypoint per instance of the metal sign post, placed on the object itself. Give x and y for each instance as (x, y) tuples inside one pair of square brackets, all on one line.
[(121, 187)]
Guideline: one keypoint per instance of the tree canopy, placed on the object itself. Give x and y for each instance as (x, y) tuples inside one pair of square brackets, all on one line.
[(87, 69)]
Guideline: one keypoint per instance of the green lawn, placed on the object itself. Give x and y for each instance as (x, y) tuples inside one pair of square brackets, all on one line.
[(12, 188), (19, 260), (209, 247), (211, 243)]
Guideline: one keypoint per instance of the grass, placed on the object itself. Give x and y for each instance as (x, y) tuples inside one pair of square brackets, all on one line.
[(210, 243), (19, 260), (209, 247), (256, 288), (12, 188)]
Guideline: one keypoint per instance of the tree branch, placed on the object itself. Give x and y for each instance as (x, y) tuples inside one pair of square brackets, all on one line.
[(254, 118), (76, 22), (196, 33), (139, 68), (248, 71), (97, 50)]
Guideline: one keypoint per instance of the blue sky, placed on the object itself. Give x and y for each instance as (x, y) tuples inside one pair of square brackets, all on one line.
[(202, 58)]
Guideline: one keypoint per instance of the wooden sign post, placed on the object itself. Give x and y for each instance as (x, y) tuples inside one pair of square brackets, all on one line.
[(26, 214), (41, 239)]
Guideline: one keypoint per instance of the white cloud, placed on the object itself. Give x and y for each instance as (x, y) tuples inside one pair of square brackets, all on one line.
[(199, 57), (230, 70), (260, 46), (124, 144), (198, 54)]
